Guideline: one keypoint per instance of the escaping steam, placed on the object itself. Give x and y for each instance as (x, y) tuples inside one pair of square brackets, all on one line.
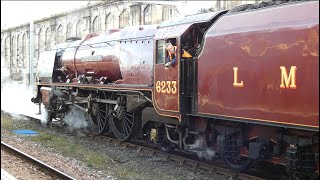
[(208, 154), (16, 101), (16, 98), (75, 119), (200, 147)]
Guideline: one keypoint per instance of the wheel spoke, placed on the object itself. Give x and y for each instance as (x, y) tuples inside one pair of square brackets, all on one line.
[(99, 124), (102, 116), (122, 128), (102, 111), (103, 120), (122, 123), (125, 128), (127, 114), (98, 115), (127, 125), (127, 119), (119, 126)]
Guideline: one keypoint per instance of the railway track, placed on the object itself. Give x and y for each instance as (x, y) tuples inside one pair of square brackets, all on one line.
[(183, 161), (186, 161), (46, 168)]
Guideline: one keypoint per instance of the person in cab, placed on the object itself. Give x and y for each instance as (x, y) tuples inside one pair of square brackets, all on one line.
[(172, 54)]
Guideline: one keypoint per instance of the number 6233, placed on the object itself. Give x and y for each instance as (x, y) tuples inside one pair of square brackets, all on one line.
[(166, 87)]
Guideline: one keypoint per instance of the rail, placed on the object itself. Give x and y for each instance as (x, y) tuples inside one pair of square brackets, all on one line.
[(32, 160), (214, 169)]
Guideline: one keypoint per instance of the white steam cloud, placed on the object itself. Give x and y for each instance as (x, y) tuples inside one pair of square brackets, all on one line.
[(208, 154), (199, 146), (16, 101), (75, 118), (16, 98)]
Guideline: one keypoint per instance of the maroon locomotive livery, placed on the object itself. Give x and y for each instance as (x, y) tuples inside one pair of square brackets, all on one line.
[(107, 56), (249, 93), (274, 64)]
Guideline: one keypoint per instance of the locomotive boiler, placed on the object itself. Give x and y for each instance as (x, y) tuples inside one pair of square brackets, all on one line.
[(249, 92)]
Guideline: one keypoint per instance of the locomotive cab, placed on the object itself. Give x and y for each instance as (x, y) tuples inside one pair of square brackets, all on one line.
[(174, 88)]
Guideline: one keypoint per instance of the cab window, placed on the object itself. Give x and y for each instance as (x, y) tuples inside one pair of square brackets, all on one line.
[(160, 52)]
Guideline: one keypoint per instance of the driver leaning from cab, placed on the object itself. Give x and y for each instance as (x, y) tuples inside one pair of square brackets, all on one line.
[(172, 54)]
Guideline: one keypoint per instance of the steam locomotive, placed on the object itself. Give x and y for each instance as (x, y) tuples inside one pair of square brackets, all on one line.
[(249, 93)]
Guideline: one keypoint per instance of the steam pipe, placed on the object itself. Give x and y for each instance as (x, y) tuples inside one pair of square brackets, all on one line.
[(168, 136)]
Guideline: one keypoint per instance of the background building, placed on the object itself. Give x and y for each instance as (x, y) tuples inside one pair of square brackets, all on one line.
[(99, 17)]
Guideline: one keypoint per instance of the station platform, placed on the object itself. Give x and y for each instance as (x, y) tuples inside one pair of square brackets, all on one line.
[(6, 176)]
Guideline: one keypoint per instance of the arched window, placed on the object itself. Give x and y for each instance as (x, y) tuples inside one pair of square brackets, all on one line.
[(37, 53), (167, 13), (2, 45), (19, 58), (135, 14), (53, 38), (14, 51), (3, 49), (18, 42), (69, 30), (79, 28), (60, 35), (96, 24), (109, 22), (7, 52), (48, 38), (147, 14), (24, 50), (124, 19)]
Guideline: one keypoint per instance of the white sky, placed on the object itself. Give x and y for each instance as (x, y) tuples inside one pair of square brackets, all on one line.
[(14, 13), (19, 12)]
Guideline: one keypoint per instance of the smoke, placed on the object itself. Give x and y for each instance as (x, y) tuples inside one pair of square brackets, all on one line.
[(16, 97), (75, 119)]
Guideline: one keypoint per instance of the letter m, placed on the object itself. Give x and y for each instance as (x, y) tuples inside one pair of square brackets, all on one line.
[(288, 81)]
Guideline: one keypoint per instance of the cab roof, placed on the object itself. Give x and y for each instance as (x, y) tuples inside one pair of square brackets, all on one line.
[(176, 27)]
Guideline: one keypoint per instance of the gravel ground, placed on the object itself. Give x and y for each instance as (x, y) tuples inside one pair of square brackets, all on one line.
[(70, 166), (118, 162), (20, 169)]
